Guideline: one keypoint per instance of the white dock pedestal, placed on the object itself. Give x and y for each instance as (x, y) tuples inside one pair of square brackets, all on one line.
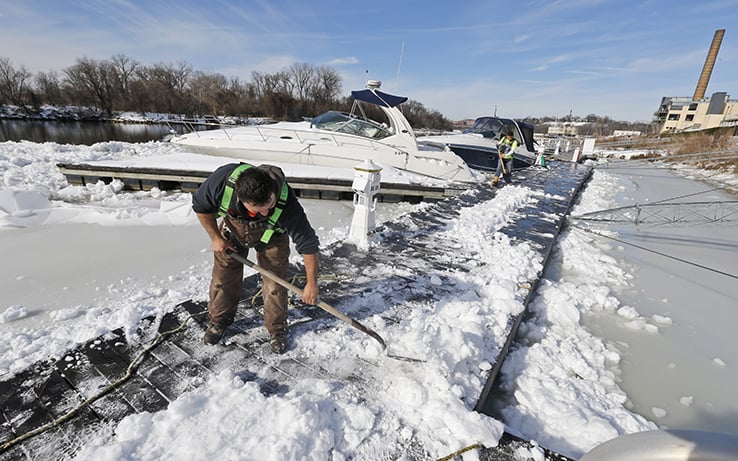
[(365, 186)]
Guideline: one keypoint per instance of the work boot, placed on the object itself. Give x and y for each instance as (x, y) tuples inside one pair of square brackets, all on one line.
[(278, 343), (495, 180), (213, 334)]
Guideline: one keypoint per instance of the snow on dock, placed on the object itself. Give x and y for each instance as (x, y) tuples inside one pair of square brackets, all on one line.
[(409, 269), (308, 181)]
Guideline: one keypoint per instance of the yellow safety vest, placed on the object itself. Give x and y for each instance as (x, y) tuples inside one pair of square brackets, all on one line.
[(225, 202)]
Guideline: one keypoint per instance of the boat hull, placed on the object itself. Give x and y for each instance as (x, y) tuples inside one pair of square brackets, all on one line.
[(486, 159), (338, 139), (312, 147)]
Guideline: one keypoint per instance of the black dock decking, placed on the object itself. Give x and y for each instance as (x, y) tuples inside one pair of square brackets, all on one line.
[(179, 362)]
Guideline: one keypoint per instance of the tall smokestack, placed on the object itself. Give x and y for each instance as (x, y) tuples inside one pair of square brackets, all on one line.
[(699, 92)]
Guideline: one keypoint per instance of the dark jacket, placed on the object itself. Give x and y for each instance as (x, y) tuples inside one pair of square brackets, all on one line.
[(206, 200)]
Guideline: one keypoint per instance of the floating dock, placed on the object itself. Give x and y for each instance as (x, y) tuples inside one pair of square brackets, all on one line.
[(142, 178), (150, 379)]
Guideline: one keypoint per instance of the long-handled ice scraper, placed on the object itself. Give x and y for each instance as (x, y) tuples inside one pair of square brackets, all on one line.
[(502, 150), (326, 307)]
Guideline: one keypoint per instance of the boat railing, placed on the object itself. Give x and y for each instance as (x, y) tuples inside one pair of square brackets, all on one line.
[(267, 133), (190, 125), (338, 139)]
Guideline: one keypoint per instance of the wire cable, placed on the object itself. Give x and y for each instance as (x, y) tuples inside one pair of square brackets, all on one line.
[(462, 451), (691, 263), (654, 203), (130, 372)]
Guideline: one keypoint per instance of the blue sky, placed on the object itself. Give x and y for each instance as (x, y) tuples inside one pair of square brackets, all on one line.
[(465, 59)]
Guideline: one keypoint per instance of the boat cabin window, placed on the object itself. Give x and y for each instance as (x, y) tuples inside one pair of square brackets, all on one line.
[(492, 127), (487, 127), (344, 123)]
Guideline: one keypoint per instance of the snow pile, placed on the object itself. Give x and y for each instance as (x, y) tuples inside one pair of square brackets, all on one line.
[(559, 361), (564, 379)]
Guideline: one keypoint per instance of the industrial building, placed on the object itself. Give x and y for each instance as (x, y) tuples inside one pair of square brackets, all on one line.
[(682, 113)]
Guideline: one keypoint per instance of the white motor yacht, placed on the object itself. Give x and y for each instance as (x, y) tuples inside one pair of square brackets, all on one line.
[(336, 139)]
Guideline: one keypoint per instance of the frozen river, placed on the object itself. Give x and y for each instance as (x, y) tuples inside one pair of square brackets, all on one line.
[(685, 375)]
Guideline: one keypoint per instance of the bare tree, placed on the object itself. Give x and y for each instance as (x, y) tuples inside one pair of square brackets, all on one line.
[(271, 91), (48, 88), (121, 83), (242, 99), (210, 93), (140, 98), (166, 86), (13, 83), (94, 82), (301, 76), (326, 90), (125, 69)]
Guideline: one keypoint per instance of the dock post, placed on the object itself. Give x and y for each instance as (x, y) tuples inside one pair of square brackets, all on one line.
[(365, 186)]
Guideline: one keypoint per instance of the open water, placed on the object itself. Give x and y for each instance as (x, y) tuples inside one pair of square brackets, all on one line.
[(85, 133)]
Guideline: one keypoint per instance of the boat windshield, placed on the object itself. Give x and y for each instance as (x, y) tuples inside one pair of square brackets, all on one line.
[(491, 127), (344, 123)]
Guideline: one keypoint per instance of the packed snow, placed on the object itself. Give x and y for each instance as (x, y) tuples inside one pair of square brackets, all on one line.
[(89, 259)]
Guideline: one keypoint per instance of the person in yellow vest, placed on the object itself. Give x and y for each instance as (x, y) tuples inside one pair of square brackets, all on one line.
[(259, 210), (505, 150)]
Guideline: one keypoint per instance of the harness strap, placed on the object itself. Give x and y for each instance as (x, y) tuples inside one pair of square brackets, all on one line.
[(506, 147), (225, 202), (274, 217)]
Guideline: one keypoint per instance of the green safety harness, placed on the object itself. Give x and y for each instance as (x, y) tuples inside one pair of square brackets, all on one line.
[(273, 217), (507, 147)]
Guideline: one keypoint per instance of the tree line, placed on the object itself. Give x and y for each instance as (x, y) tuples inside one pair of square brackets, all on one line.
[(593, 125), (123, 84)]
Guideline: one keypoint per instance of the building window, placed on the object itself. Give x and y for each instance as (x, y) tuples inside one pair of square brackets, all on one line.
[(693, 106), (689, 117), (673, 116)]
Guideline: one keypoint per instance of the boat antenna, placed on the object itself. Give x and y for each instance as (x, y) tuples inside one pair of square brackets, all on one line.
[(397, 79)]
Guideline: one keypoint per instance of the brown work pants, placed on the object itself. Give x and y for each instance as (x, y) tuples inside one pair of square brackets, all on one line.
[(227, 279)]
